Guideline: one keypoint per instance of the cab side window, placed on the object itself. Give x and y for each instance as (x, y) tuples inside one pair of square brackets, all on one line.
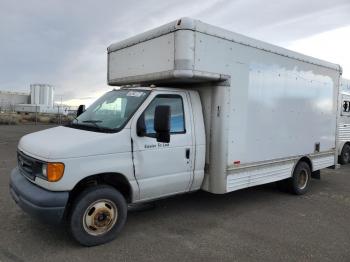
[(177, 119)]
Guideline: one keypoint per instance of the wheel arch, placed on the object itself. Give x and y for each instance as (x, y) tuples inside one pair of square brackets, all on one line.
[(116, 180), (305, 159)]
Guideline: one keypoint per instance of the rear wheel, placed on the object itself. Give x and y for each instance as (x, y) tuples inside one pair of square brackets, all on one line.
[(97, 215), (345, 155), (299, 183)]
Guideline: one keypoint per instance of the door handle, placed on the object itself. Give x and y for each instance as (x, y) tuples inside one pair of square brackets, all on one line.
[(187, 153)]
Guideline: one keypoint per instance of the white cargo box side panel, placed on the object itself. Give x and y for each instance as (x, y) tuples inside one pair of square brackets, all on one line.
[(280, 107), (287, 111), (155, 55)]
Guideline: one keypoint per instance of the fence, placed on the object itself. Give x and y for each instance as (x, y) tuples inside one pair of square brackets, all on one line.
[(58, 115)]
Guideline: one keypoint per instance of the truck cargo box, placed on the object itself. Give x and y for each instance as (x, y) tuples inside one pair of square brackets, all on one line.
[(264, 107)]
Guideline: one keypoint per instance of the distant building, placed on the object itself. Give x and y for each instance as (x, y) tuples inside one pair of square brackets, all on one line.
[(41, 100), (8, 100)]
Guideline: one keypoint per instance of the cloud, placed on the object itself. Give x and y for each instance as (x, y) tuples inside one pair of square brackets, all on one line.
[(336, 42), (64, 42)]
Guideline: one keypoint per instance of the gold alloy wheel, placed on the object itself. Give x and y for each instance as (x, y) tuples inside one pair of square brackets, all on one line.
[(100, 217)]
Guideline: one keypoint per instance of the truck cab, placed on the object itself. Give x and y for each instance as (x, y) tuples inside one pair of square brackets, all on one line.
[(116, 142)]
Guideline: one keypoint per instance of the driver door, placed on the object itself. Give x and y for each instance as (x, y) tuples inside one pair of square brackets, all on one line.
[(164, 168)]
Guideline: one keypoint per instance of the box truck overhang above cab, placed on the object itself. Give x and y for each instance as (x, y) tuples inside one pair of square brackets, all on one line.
[(173, 53), (166, 58)]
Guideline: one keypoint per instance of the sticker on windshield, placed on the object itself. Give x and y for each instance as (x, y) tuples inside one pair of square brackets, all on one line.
[(135, 93)]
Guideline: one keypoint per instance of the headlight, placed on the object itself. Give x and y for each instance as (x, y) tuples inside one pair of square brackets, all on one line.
[(44, 170), (53, 171)]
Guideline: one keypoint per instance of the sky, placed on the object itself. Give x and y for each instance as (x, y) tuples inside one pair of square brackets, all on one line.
[(64, 42)]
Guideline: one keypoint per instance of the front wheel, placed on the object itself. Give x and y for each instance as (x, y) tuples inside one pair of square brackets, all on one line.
[(97, 215)]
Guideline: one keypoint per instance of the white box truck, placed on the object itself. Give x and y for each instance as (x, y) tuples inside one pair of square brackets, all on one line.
[(344, 123), (211, 110)]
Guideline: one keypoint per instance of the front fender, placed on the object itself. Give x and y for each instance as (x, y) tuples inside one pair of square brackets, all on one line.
[(77, 169)]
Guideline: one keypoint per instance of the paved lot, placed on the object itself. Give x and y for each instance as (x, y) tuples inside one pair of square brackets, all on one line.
[(257, 224)]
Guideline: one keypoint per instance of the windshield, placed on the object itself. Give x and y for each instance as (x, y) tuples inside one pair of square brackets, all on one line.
[(112, 110)]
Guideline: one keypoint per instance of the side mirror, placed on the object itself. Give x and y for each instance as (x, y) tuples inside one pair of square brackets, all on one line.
[(162, 123), (80, 110), (141, 126)]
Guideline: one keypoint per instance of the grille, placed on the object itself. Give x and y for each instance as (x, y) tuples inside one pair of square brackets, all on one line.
[(28, 166)]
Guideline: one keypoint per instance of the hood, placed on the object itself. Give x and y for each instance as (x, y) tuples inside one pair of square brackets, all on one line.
[(65, 142)]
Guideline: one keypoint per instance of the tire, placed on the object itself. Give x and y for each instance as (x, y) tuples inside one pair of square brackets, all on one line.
[(299, 183), (345, 155), (97, 215)]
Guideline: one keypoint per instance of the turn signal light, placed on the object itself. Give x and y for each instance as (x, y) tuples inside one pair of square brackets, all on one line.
[(54, 171)]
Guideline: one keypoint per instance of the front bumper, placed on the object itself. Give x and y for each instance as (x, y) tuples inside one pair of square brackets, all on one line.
[(47, 206)]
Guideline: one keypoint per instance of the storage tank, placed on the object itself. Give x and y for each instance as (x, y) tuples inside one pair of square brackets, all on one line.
[(41, 94), (44, 95), (50, 96), (37, 95), (32, 94)]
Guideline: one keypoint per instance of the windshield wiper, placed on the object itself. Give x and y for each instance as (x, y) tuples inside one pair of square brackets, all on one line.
[(94, 122)]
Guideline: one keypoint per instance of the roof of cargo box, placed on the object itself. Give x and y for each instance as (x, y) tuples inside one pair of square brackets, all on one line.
[(198, 26)]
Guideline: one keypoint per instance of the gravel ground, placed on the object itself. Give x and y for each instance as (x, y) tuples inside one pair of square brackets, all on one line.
[(256, 224)]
